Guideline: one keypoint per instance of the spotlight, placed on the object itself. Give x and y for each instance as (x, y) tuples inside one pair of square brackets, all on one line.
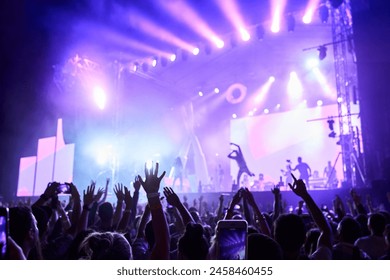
[(154, 62), (290, 23), (219, 43), (99, 96), (322, 52), (195, 51), (135, 66), (331, 124), (245, 36), (324, 13)]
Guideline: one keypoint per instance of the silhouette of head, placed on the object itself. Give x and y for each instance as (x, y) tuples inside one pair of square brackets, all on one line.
[(349, 230), (262, 247), (193, 244), (290, 232), (377, 224), (106, 212), (299, 159), (105, 246), (23, 227)]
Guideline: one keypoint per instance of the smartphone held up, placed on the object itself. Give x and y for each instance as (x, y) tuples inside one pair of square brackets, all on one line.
[(4, 231), (232, 239), (63, 188)]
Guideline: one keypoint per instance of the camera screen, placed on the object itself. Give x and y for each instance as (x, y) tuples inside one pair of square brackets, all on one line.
[(232, 243), (63, 188), (3, 237)]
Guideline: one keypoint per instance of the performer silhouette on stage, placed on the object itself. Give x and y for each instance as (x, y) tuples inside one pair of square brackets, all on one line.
[(178, 172), (287, 173), (239, 158), (304, 171)]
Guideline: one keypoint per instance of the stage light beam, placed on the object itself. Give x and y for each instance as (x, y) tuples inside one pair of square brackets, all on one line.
[(294, 87), (309, 12), (99, 96)]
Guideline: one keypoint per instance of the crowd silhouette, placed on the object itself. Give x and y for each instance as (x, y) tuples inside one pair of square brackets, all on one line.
[(168, 227)]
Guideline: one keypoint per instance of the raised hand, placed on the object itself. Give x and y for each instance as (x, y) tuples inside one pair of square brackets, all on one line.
[(118, 190), (172, 197), (355, 196), (152, 181), (89, 196), (99, 194), (74, 191), (249, 197), (127, 198), (136, 184), (298, 187), (276, 190), (51, 189), (237, 197)]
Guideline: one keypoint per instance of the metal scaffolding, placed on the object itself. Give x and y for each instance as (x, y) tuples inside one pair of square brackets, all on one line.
[(346, 86)]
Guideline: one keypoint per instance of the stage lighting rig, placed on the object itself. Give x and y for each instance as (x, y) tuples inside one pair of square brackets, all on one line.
[(331, 124), (322, 52), (332, 134), (323, 11)]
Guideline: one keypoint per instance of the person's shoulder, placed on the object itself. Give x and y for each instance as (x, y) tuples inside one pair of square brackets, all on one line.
[(322, 253)]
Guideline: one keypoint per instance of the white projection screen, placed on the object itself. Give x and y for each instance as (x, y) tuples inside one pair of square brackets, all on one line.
[(267, 141)]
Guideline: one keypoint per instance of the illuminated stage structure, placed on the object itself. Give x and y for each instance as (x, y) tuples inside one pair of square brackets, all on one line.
[(53, 163), (262, 92)]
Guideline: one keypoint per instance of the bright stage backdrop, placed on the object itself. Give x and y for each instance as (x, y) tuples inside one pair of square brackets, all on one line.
[(268, 140)]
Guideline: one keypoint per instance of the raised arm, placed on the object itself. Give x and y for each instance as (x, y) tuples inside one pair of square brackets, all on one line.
[(142, 223), (277, 201), (263, 225), (76, 211), (247, 211), (235, 200), (299, 188), (120, 197), (338, 208), (357, 202), (50, 191), (88, 199), (136, 186), (151, 186), (220, 207), (124, 222), (174, 200)]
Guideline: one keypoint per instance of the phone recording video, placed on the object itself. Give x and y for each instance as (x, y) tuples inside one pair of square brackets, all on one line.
[(232, 239), (63, 189), (4, 223)]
